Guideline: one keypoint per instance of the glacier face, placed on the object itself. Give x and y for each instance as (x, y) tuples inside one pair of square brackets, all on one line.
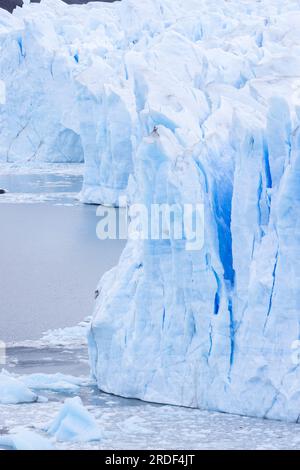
[(214, 328), (39, 121), (179, 102), (59, 66)]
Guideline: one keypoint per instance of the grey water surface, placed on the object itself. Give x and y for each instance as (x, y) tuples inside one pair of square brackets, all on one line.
[(50, 257)]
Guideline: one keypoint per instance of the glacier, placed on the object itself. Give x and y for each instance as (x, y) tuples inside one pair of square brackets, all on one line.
[(177, 102), (36, 111)]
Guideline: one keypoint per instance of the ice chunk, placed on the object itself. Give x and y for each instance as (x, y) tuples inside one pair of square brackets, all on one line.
[(13, 391), (74, 423), (25, 440), (55, 382)]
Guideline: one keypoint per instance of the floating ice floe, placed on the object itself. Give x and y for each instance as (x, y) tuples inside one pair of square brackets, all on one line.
[(73, 335), (54, 382), (25, 440), (13, 391), (74, 423)]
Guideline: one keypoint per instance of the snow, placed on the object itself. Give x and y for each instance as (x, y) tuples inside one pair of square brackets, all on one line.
[(74, 423), (13, 391), (177, 102)]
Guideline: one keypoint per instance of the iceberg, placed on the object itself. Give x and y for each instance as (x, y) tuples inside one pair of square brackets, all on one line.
[(13, 391), (172, 102), (53, 382), (74, 423), (25, 440)]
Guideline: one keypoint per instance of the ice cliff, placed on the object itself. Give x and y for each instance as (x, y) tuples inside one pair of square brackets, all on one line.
[(179, 102), (38, 119)]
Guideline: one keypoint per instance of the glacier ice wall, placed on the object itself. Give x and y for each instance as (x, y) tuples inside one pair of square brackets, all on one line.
[(38, 116), (177, 102), (61, 87), (215, 120)]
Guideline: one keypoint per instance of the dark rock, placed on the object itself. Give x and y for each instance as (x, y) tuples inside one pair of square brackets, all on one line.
[(10, 5), (4, 431), (2, 191)]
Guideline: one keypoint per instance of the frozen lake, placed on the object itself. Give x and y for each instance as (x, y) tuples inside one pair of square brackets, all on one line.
[(50, 257)]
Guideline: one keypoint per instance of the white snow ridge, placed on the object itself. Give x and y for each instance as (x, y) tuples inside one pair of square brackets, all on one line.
[(177, 101)]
